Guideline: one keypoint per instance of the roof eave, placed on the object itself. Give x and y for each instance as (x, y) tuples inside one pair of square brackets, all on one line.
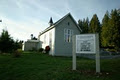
[(49, 28)]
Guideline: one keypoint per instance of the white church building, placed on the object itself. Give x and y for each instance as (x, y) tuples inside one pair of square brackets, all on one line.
[(59, 36)]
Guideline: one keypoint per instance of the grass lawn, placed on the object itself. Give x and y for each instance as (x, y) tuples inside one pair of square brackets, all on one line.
[(36, 66)]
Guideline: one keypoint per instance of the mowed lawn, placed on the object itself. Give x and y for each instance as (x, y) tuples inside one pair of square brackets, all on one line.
[(36, 66)]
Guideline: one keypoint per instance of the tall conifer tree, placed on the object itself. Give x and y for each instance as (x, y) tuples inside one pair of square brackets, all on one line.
[(105, 30), (114, 29), (80, 24), (84, 25), (94, 25)]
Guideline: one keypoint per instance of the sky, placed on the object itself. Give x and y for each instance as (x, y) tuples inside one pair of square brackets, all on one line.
[(25, 17)]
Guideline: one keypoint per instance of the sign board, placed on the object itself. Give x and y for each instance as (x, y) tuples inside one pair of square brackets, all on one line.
[(86, 43)]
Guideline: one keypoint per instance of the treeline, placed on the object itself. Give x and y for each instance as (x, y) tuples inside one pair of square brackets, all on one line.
[(109, 29), (8, 44)]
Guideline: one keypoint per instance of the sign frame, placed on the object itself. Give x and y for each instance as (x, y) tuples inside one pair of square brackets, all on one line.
[(86, 43), (97, 54)]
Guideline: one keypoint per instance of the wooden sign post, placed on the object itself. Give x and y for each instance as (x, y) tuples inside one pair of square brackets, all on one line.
[(86, 44)]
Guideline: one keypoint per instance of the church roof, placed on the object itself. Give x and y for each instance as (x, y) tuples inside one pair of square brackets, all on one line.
[(57, 22)]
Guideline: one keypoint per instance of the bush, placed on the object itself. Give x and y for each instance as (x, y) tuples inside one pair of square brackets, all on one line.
[(41, 50), (47, 49), (111, 50), (34, 49), (17, 53)]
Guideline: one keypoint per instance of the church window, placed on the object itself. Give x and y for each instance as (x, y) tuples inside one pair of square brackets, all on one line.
[(68, 35)]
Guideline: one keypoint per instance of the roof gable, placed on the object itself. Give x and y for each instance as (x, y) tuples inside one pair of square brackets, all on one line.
[(59, 21)]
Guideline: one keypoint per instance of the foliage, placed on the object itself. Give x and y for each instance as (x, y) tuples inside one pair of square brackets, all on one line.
[(105, 30), (17, 53), (84, 25), (111, 30), (94, 25), (114, 29), (90, 27), (41, 50), (47, 49), (17, 44), (7, 44)]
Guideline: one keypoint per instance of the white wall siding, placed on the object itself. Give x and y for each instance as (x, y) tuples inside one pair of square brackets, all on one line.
[(30, 45), (63, 47), (48, 39), (61, 33)]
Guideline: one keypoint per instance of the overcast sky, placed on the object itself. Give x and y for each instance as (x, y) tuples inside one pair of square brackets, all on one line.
[(25, 17)]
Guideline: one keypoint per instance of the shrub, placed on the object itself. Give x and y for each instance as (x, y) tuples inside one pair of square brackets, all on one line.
[(41, 50), (47, 49), (34, 49), (17, 53), (111, 50)]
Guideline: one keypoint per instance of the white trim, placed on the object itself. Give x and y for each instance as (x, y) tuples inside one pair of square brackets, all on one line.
[(68, 35)]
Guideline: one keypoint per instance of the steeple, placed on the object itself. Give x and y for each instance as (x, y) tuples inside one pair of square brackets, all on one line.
[(51, 22)]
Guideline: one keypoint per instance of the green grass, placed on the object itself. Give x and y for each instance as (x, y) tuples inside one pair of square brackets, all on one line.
[(36, 66)]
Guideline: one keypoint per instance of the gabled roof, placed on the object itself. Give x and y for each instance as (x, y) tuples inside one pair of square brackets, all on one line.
[(60, 20)]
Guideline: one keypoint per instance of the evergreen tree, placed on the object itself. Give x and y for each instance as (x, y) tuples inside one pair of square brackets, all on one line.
[(94, 25), (84, 25), (17, 45), (80, 24), (87, 20), (105, 28), (6, 42), (114, 29)]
